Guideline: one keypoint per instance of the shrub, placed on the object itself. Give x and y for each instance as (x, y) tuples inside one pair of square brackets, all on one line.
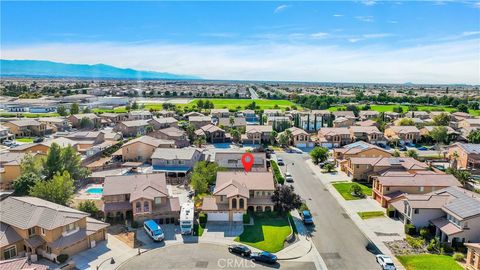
[(410, 229), (424, 233), (62, 258), (134, 224), (356, 190), (303, 207), (276, 173), (458, 256), (447, 249), (433, 245), (246, 218), (202, 218), (415, 243)]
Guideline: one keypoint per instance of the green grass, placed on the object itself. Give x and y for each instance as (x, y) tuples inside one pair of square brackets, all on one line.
[(24, 140), (389, 108), (429, 262), (232, 104), (344, 189), (29, 115), (268, 233), (371, 214), (198, 229), (120, 109)]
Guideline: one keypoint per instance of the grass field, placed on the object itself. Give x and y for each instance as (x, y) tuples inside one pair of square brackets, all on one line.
[(344, 189), (233, 104), (429, 262), (24, 140), (268, 232), (371, 214), (389, 108), (29, 115), (115, 110)]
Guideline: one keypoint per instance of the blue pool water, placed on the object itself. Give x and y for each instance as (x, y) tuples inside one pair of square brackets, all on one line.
[(95, 190)]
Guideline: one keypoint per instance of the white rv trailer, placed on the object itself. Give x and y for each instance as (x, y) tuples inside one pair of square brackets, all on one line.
[(186, 218)]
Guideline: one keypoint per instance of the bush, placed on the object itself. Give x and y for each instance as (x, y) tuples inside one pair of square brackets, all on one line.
[(447, 249), (276, 173), (202, 218), (415, 243), (424, 233), (433, 245), (356, 190), (410, 229), (62, 258), (134, 224), (246, 218), (303, 207), (458, 256)]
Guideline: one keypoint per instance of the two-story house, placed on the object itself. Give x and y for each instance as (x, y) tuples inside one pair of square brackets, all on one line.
[(212, 134), (5, 134), (366, 115), (391, 185), (369, 134), (219, 113), (358, 149), (141, 149), (111, 119), (199, 121), (300, 138), (139, 115), (10, 168), (139, 197), (31, 226), (403, 134), (343, 122), (465, 156), (26, 127), (179, 136), (175, 163), (55, 123), (425, 133), (234, 122), (76, 119), (133, 128), (257, 134), (364, 168), (334, 137), (237, 192), (163, 122)]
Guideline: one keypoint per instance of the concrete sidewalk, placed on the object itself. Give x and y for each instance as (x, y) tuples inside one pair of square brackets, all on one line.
[(377, 230)]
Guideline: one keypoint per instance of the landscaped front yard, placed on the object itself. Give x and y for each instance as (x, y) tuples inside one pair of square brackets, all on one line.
[(371, 214), (429, 262), (344, 189), (268, 232)]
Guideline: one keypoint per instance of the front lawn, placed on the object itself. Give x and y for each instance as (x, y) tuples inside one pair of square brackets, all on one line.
[(24, 140), (429, 262), (198, 229), (344, 189), (371, 214), (268, 233)]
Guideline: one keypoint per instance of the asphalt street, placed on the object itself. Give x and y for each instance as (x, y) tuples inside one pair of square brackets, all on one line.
[(338, 240), (202, 256)]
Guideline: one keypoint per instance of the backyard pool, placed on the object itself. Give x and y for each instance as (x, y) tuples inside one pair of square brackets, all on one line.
[(95, 190)]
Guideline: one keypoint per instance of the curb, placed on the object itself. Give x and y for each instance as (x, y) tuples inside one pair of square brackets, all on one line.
[(297, 257)]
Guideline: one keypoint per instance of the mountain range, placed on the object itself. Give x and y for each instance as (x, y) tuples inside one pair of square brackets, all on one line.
[(40, 68)]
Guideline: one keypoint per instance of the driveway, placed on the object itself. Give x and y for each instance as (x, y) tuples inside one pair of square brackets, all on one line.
[(202, 256), (170, 231), (229, 230)]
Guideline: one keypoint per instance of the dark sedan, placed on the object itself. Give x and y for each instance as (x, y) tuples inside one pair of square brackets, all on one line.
[(240, 249), (264, 256)]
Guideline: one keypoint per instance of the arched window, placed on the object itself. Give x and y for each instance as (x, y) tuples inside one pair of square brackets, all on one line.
[(146, 206), (241, 203), (234, 203), (138, 206)]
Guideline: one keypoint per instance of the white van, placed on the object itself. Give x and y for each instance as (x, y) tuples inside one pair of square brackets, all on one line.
[(186, 218), (153, 230)]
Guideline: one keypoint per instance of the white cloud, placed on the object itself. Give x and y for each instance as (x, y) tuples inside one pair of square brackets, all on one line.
[(280, 8), (377, 35), (393, 22), (319, 35), (448, 62), (337, 15), (364, 18), (369, 2), (354, 40), (470, 33), (477, 5)]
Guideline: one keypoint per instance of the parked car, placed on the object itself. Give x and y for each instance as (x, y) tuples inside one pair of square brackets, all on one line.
[(402, 148), (8, 143), (38, 140), (306, 217), (280, 162), (264, 256), (422, 148), (385, 262), (153, 230), (269, 151), (240, 249), (288, 177)]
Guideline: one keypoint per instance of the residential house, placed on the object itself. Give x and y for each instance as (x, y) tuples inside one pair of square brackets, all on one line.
[(402, 134), (141, 149), (469, 123), (367, 115), (390, 116), (257, 134), (334, 137), (212, 134), (140, 115), (273, 112), (219, 113), (199, 121), (367, 123), (187, 115), (279, 123), (76, 119), (459, 116), (32, 226), (43, 147), (237, 192), (111, 119), (416, 121), (164, 113), (21, 263), (250, 116), (369, 134), (238, 122), (163, 122), (359, 149), (472, 261), (425, 133), (10, 168), (5, 134), (343, 122), (232, 160), (465, 156), (133, 128), (179, 136), (300, 138), (346, 114), (139, 197), (175, 163), (454, 211), (56, 123), (418, 114), (26, 127), (364, 168), (391, 185)]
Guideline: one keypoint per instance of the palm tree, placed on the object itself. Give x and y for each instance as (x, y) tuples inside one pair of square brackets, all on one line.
[(464, 177), (199, 141), (289, 135), (454, 162), (236, 135), (412, 153), (273, 136)]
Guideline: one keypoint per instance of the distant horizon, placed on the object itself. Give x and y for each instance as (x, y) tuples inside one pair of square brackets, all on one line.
[(425, 43)]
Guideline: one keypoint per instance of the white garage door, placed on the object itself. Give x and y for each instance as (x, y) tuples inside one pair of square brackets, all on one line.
[(219, 216), (302, 145), (238, 216), (328, 145)]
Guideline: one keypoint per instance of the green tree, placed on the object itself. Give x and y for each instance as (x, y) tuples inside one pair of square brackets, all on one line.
[(74, 108), (285, 198), (199, 141), (442, 119), (396, 153), (86, 123), (58, 190), (62, 111), (31, 164), (411, 153), (319, 154), (23, 184), (236, 135), (356, 190), (474, 136), (406, 122), (462, 108), (439, 134), (329, 167), (89, 206), (53, 162), (86, 110), (190, 130), (134, 105), (72, 163), (283, 139), (203, 174), (464, 177), (273, 136)]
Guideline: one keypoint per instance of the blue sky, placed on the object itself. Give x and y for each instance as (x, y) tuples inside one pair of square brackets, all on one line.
[(361, 41)]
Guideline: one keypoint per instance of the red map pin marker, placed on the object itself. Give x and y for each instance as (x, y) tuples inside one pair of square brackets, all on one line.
[(247, 161)]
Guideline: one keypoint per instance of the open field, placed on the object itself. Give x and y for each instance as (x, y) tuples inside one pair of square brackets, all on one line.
[(429, 262), (29, 115), (389, 108), (233, 104)]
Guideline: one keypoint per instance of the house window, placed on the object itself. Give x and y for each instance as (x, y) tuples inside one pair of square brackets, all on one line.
[(138, 206), (49, 249), (388, 188), (421, 189), (169, 162), (43, 231), (70, 227), (10, 252), (416, 211), (181, 162), (158, 200), (146, 206), (242, 203), (31, 232), (234, 203)]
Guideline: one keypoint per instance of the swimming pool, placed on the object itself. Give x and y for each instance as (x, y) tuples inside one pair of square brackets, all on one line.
[(96, 190)]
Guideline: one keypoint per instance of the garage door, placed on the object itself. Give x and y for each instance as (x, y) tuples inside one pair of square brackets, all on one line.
[(302, 145), (238, 216), (218, 216), (328, 145)]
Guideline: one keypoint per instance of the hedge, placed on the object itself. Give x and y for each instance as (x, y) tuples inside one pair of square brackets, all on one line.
[(410, 229), (202, 218), (276, 173)]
